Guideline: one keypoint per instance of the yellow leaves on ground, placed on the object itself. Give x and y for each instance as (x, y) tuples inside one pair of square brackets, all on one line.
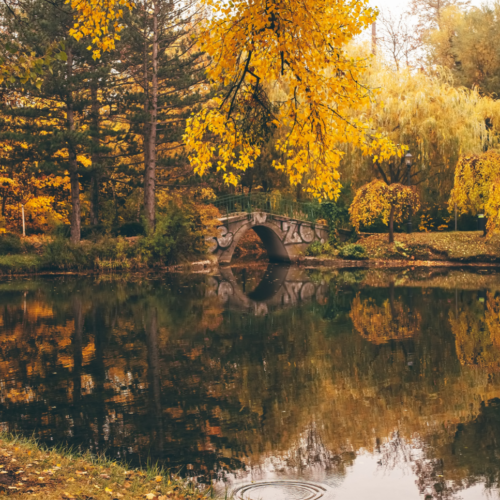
[(80, 477)]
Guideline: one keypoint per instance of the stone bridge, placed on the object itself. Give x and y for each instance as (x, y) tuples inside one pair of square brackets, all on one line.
[(281, 287), (284, 238)]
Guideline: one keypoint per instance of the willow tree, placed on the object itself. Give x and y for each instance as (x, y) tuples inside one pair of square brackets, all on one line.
[(466, 43), (436, 120), (377, 199), (477, 186)]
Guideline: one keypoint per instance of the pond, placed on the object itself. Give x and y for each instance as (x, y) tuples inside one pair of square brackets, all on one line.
[(274, 382)]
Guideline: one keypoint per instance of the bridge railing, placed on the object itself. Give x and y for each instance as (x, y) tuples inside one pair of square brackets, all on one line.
[(262, 202)]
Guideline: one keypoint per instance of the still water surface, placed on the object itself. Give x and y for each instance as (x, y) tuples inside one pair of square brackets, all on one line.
[(277, 383)]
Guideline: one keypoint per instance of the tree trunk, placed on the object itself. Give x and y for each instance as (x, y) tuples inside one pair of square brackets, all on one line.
[(150, 157), (73, 165), (391, 225), (4, 203), (94, 180)]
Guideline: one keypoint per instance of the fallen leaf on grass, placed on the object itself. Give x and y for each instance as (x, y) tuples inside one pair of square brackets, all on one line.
[(81, 472), (127, 485), (107, 490), (150, 496), (104, 476), (158, 479)]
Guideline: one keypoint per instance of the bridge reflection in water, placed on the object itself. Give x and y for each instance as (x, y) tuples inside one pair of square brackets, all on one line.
[(282, 286)]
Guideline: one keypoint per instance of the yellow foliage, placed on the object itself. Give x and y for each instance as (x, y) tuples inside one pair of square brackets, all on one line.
[(99, 19), (288, 59), (477, 187), (377, 199)]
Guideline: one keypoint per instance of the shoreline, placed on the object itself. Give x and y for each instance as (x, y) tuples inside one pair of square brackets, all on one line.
[(207, 266), (31, 469)]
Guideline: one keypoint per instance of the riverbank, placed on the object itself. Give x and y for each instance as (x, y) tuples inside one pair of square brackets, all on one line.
[(469, 249), (30, 470), (464, 249)]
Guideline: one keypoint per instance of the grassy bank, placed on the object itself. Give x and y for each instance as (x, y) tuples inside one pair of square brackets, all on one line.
[(105, 254), (462, 247), (30, 470)]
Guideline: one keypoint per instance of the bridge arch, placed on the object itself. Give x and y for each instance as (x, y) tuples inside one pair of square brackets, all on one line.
[(270, 237), (285, 239)]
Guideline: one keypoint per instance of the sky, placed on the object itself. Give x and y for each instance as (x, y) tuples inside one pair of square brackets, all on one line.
[(399, 6)]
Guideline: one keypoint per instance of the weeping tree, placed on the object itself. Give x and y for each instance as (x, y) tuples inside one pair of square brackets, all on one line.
[(477, 187), (437, 121), (377, 199)]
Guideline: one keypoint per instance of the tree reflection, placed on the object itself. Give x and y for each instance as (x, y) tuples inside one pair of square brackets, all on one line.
[(477, 333), (393, 320), (160, 369)]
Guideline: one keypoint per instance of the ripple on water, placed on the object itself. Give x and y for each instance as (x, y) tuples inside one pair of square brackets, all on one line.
[(280, 490)]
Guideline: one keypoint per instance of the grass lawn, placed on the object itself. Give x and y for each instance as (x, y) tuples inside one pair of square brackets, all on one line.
[(450, 246), (30, 471)]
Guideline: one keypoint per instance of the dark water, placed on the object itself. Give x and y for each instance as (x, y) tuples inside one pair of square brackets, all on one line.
[(346, 385)]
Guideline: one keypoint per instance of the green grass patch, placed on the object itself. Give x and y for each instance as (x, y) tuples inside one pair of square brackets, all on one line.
[(29, 469)]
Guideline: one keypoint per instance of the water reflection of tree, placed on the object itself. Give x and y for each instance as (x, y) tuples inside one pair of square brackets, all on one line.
[(477, 333), (393, 320), (163, 370)]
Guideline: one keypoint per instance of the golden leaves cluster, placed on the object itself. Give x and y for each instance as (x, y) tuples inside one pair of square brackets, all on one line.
[(100, 20), (376, 199), (477, 187), (292, 53)]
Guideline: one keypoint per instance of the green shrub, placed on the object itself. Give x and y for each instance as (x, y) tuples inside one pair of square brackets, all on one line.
[(131, 229), (61, 254), (62, 231), (92, 232), (353, 252), (10, 244), (317, 248), (178, 236)]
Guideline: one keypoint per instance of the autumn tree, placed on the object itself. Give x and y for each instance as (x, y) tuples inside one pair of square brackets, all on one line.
[(429, 13), (466, 43), (436, 120), (397, 39), (390, 202), (57, 126), (299, 47), (477, 187)]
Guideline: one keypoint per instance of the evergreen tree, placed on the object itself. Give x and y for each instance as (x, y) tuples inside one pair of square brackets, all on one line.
[(162, 71), (56, 125)]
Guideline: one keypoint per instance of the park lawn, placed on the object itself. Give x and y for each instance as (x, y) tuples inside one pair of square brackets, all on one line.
[(28, 470), (466, 246)]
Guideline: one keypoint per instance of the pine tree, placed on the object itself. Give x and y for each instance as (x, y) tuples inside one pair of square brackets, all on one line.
[(57, 125), (162, 71)]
